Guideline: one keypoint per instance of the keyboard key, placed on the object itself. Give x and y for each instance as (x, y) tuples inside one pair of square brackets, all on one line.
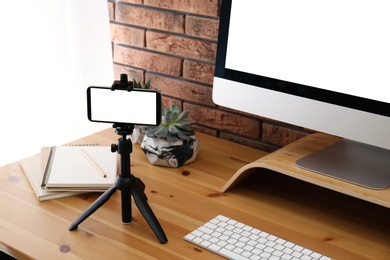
[(232, 255), (210, 225), (236, 240), (206, 230), (214, 247)]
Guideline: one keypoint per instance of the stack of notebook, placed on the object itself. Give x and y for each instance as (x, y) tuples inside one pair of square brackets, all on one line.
[(64, 171)]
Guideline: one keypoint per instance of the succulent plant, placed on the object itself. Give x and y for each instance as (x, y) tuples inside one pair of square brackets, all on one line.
[(173, 126), (139, 85)]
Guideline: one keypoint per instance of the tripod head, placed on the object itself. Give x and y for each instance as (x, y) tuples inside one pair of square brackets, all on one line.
[(123, 129)]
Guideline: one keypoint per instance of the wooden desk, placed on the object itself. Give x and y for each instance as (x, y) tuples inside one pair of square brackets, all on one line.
[(184, 198)]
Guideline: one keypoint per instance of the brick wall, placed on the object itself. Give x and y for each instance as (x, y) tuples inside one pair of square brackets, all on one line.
[(173, 43)]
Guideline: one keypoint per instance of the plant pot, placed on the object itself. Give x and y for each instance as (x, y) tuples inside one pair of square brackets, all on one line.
[(138, 134), (170, 154)]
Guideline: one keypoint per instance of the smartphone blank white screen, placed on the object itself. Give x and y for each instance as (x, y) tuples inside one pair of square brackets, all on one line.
[(140, 107)]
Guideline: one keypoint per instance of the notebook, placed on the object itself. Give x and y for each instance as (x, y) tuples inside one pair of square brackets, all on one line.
[(32, 167), (77, 168)]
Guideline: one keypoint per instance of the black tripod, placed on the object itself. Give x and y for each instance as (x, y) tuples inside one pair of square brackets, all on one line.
[(128, 185)]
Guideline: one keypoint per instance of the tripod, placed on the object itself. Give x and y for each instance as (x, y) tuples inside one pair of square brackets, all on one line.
[(129, 185)]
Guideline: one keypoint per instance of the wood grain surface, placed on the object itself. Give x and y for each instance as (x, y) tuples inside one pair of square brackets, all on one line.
[(184, 198)]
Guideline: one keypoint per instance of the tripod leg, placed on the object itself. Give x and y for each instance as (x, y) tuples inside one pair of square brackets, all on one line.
[(126, 206), (143, 206), (93, 207)]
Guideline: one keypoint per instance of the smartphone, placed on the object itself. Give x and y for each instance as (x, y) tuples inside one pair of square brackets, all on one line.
[(138, 106)]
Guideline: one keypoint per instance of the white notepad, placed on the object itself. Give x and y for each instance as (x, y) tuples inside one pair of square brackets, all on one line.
[(69, 169), (32, 167)]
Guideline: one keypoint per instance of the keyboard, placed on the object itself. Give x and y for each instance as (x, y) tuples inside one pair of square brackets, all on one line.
[(235, 240)]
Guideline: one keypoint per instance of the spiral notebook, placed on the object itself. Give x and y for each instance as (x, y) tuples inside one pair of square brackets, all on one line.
[(33, 168), (80, 168)]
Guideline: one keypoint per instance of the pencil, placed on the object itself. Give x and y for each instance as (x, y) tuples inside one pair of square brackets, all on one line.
[(93, 163)]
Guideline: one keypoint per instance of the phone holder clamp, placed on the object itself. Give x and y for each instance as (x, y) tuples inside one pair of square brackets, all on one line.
[(122, 84)]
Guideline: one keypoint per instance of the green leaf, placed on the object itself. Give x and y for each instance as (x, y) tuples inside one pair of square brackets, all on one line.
[(162, 132), (168, 117), (175, 108), (183, 115), (173, 129), (174, 117), (147, 85), (172, 138), (185, 126), (183, 136)]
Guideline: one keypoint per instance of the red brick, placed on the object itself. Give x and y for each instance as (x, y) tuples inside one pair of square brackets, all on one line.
[(202, 27), (130, 1), (127, 35), (182, 89), (254, 143), (198, 71), (169, 101), (206, 130), (222, 120), (205, 7), (150, 18), (131, 73), (280, 136), (182, 46), (111, 8), (148, 60)]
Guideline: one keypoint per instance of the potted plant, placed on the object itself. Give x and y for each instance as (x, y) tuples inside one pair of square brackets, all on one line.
[(173, 143), (139, 130)]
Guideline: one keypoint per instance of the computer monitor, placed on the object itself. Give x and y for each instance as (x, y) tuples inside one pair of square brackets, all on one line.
[(322, 65)]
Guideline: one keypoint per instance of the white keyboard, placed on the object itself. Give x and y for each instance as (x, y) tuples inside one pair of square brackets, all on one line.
[(235, 240)]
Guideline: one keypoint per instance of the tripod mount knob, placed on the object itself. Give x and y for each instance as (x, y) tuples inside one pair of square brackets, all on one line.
[(114, 148)]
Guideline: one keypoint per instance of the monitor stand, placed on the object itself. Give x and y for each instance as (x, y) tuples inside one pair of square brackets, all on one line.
[(353, 162)]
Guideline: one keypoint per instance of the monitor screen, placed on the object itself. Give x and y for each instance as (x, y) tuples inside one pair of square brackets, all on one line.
[(319, 65)]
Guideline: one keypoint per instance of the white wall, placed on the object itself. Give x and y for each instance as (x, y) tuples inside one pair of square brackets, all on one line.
[(50, 52)]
